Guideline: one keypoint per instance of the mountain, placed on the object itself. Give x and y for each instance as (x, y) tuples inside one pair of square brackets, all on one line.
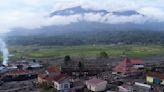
[(77, 10), (81, 25), (89, 32), (82, 11)]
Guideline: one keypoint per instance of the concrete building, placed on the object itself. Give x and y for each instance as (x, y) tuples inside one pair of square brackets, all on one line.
[(62, 83), (155, 78), (96, 84)]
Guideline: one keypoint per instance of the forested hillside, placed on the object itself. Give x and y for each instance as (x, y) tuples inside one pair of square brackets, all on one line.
[(91, 37)]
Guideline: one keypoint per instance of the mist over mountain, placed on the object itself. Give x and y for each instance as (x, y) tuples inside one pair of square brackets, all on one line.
[(84, 27), (84, 31)]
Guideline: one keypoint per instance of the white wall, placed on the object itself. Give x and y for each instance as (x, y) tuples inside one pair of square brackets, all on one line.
[(61, 86), (162, 83), (138, 66), (99, 87)]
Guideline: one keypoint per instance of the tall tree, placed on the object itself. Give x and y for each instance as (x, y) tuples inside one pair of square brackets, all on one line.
[(67, 59)]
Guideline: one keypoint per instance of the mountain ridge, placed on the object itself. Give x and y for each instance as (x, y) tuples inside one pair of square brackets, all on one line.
[(80, 10), (87, 25)]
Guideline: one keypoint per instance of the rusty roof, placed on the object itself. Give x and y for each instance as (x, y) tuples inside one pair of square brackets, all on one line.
[(53, 69), (155, 74), (18, 72), (57, 78)]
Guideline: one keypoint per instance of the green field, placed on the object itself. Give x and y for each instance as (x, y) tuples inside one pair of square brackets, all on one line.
[(137, 51)]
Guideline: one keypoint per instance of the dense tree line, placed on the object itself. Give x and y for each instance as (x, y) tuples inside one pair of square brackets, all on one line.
[(91, 37)]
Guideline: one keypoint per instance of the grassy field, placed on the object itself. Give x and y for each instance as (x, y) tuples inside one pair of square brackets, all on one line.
[(137, 51)]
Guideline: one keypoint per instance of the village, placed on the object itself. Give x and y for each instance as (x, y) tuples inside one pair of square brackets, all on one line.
[(125, 75), (82, 46)]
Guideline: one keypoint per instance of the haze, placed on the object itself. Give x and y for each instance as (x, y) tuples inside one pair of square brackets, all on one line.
[(31, 14)]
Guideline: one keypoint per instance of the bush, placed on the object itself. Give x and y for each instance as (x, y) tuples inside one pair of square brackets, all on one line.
[(103, 54)]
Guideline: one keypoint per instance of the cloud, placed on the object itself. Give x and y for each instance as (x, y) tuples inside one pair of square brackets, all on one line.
[(95, 17), (33, 14), (21, 19), (110, 5), (113, 19), (153, 14), (63, 20)]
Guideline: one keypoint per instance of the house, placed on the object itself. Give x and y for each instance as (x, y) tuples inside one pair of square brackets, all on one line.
[(53, 71), (3, 69), (129, 67), (62, 82), (24, 65), (42, 78), (56, 79), (18, 75), (96, 84), (34, 65), (47, 74), (155, 78)]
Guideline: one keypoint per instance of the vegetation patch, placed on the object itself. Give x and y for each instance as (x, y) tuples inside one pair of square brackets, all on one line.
[(138, 51)]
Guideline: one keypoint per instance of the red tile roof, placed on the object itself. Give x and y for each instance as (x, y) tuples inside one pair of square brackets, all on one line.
[(132, 61), (61, 77), (136, 62), (18, 72), (58, 78), (53, 69), (155, 74), (126, 66), (95, 81)]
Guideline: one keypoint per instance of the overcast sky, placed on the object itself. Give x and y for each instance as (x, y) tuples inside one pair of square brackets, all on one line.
[(34, 13)]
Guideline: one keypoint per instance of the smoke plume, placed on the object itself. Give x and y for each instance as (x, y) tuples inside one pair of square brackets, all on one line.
[(4, 51)]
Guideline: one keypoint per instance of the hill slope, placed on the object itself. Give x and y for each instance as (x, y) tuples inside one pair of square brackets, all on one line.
[(90, 37)]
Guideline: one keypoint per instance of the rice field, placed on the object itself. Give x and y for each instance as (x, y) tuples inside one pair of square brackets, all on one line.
[(137, 51)]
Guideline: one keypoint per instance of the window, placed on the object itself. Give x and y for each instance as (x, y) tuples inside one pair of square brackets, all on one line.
[(66, 86)]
